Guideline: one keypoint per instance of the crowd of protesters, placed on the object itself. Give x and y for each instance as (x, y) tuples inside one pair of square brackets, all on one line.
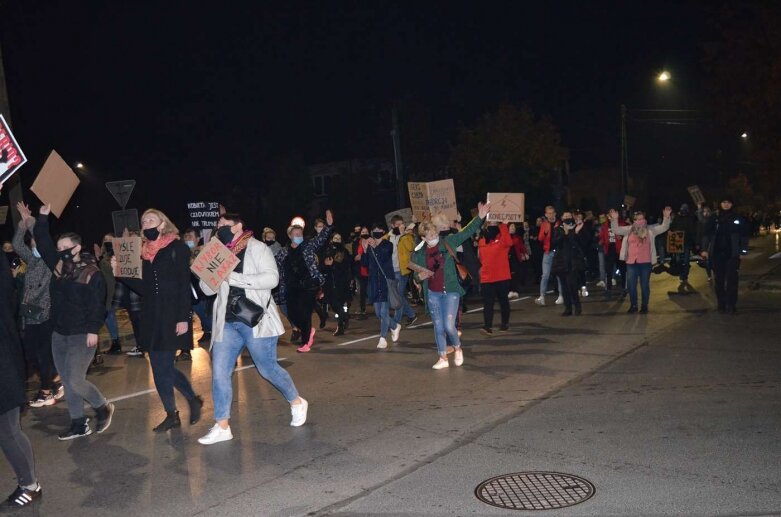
[(57, 296)]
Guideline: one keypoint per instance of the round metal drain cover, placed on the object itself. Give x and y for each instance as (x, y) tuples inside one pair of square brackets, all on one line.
[(534, 491)]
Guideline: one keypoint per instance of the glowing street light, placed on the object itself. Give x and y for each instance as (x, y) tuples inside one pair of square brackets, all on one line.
[(744, 135), (663, 77), (79, 165)]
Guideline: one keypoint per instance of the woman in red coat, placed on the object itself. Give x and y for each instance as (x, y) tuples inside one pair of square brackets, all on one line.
[(493, 249)]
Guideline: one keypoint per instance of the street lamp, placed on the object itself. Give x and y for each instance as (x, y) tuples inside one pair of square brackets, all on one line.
[(744, 135), (663, 77), (79, 165)]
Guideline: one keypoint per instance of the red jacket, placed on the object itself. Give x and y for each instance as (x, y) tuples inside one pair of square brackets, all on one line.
[(604, 236), (495, 257), (545, 234), (363, 270), (519, 249)]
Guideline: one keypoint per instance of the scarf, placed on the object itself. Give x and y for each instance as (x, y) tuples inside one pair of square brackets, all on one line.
[(150, 248), (81, 271), (238, 245)]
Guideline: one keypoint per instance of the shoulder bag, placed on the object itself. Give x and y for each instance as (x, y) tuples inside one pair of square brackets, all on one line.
[(463, 273), (394, 298)]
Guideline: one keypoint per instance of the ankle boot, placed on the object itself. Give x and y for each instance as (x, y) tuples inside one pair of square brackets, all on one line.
[(339, 329), (195, 409), (171, 421), (116, 348)]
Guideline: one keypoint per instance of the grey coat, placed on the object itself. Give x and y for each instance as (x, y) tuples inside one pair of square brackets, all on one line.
[(36, 279)]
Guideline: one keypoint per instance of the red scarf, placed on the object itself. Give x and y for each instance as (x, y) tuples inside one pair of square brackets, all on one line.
[(150, 248), (239, 244)]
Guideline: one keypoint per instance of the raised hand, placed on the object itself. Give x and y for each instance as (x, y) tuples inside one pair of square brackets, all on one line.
[(668, 210), (483, 209), (45, 210), (329, 218), (24, 211)]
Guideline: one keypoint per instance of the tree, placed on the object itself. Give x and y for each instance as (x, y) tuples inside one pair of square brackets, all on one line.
[(510, 150)]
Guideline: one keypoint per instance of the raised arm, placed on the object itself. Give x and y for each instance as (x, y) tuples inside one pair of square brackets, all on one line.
[(21, 249), (44, 242)]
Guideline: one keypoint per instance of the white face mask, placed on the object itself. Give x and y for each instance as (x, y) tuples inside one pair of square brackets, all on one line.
[(433, 242)]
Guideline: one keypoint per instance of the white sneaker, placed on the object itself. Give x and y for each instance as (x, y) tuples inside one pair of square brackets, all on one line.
[(560, 300), (395, 333), (382, 343), (614, 281), (512, 294), (442, 363), (540, 300), (458, 359), (215, 435), (601, 283), (584, 292), (299, 412)]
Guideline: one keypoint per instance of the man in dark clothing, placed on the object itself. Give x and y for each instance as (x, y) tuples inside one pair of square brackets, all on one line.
[(724, 241), (685, 222)]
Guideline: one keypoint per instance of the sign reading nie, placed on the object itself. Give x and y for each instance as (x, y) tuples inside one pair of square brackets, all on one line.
[(214, 264)]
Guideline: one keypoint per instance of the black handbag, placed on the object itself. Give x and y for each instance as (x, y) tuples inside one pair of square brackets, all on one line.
[(247, 311), (31, 312)]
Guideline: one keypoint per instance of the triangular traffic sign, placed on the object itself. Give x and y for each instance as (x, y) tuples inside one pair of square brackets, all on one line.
[(121, 190)]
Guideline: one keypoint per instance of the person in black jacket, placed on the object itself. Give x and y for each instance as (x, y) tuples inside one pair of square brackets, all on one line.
[(725, 240), (166, 312), (14, 443), (685, 222), (78, 294), (337, 265), (568, 261)]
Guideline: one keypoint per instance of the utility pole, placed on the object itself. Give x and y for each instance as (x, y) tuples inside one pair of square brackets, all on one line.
[(624, 153), (396, 136), (14, 185)]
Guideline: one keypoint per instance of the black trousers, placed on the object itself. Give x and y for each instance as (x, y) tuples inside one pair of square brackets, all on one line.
[(363, 282), (38, 342), (725, 279), (491, 291), (570, 283), (167, 377), (300, 304)]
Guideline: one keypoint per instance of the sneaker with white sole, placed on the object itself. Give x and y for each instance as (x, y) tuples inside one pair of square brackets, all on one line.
[(395, 333), (584, 292), (43, 399), (299, 412), (540, 300), (560, 300), (216, 435), (382, 343), (135, 352), (458, 358), (442, 363), (60, 392), (601, 283)]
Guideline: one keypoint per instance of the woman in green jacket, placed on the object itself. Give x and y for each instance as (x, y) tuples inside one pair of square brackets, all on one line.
[(439, 278)]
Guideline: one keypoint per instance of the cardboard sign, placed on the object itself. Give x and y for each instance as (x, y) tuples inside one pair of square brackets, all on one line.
[(675, 242), (405, 213), (204, 214), (55, 184), (3, 214), (125, 220), (506, 206), (629, 201), (696, 194), (127, 249), (433, 197), (214, 264), (11, 155)]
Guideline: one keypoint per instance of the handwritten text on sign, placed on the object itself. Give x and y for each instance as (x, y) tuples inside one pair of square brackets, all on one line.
[(204, 214), (506, 206), (432, 198), (214, 264), (128, 252)]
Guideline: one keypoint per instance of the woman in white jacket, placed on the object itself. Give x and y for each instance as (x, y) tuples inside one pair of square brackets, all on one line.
[(254, 278)]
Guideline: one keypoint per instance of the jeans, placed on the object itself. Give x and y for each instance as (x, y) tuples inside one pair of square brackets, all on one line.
[(38, 342), (601, 259), (111, 324), (72, 357), (491, 291), (405, 309), (685, 265), (235, 336), (201, 310), (444, 311), (16, 448), (547, 263), (382, 310), (167, 378), (643, 271)]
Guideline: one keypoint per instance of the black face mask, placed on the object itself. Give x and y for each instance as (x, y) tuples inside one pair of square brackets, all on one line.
[(491, 232), (364, 236), (569, 222), (225, 234), (378, 235), (397, 231), (151, 234), (66, 255), (444, 233), (269, 242)]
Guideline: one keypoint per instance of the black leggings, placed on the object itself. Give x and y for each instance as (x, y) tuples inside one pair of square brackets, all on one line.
[(17, 448), (570, 288), (167, 377), (491, 291), (38, 342), (363, 282), (299, 311)]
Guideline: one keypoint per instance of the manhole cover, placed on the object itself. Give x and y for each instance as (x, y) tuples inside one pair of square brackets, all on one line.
[(534, 491)]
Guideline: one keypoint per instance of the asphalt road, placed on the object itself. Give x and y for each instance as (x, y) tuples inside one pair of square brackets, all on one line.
[(672, 413)]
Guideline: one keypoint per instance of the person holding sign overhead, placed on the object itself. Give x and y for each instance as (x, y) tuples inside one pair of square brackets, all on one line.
[(245, 315), (166, 315)]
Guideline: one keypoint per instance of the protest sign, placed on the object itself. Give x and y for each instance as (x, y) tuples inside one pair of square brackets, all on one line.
[(11, 155), (629, 201), (204, 214), (696, 194), (432, 198), (125, 220), (3, 214), (55, 184), (127, 249), (214, 264), (405, 213), (506, 206), (675, 242)]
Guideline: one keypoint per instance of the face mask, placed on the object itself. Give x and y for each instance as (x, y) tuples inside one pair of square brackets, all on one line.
[(433, 242), (569, 222), (269, 242), (190, 244), (297, 240), (364, 236), (397, 231), (336, 243), (35, 253), (225, 234), (67, 255), (378, 235), (151, 234), (491, 232), (444, 233)]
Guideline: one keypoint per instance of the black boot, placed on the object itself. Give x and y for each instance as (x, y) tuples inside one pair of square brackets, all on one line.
[(578, 311), (195, 409), (98, 359), (171, 421), (339, 329), (116, 348)]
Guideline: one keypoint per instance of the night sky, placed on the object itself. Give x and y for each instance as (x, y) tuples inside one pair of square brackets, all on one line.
[(169, 93)]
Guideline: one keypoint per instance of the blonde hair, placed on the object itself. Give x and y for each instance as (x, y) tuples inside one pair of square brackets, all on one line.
[(440, 220), (425, 227), (169, 226)]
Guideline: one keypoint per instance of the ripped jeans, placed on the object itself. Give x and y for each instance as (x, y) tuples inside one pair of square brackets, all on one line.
[(444, 312)]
